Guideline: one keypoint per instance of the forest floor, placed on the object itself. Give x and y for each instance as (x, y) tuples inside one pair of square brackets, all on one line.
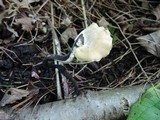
[(28, 30)]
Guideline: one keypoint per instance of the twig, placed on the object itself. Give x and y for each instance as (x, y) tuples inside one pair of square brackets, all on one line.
[(38, 102), (92, 5), (80, 70), (5, 49), (56, 50), (84, 13), (42, 6), (129, 47), (113, 61)]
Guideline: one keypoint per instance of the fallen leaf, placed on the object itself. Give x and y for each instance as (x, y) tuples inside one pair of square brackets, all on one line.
[(22, 4), (67, 34), (33, 91), (1, 4), (156, 12), (12, 95), (26, 23), (66, 21), (103, 22), (151, 42)]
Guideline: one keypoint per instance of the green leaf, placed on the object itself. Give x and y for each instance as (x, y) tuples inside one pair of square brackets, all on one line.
[(111, 29), (148, 107), (115, 38), (113, 33)]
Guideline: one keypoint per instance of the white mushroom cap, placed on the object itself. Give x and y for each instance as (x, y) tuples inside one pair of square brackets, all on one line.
[(97, 44)]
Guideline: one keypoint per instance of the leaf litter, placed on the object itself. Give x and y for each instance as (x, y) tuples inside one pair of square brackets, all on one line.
[(128, 63)]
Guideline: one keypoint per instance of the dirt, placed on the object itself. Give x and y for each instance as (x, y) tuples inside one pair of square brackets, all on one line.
[(119, 69)]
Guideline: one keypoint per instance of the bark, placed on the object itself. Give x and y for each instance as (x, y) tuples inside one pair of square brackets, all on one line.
[(100, 105)]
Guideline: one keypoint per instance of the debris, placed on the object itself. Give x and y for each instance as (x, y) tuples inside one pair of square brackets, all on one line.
[(103, 22), (151, 42), (2, 5), (67, 34), (26, 23), (12, 95), (66, 21)]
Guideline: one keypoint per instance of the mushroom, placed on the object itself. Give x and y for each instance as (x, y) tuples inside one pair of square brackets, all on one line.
[(96, 43), (92, 44)]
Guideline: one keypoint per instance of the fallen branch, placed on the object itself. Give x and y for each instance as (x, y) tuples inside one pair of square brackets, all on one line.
[(105, 104)]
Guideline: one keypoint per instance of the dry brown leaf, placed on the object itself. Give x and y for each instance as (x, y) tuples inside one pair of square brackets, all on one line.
[(103, 22), (151, 42), (66, 21), (1, 4), (12, 95), (26, 23), (156, 12), (67, 34), (22, 4)]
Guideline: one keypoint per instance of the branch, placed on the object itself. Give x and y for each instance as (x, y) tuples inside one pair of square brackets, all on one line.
[(106, 104)]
